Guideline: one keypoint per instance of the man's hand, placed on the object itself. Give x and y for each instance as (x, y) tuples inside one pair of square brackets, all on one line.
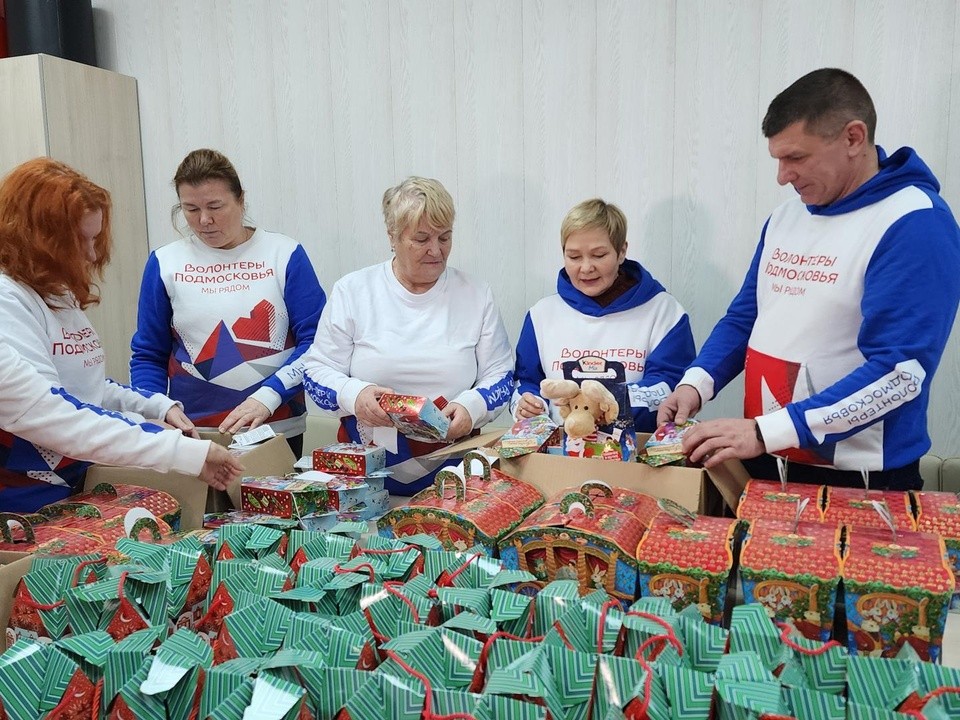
[(713, 441), (530, 406), (367, 407), (178, 420), (460, 421), (220, 468), (248, 414), (681, 405)]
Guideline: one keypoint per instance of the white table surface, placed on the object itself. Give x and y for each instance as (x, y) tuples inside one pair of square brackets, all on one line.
[(951, 641)]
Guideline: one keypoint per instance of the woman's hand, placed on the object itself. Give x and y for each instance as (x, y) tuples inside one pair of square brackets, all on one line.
[(177, 419), (367, 407), (530, 406), (250, 413), (460, 421), (220, 468)]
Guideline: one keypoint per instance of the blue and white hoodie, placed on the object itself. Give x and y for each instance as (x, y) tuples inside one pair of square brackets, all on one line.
[(218, 326), (646, 329), (842, 320)]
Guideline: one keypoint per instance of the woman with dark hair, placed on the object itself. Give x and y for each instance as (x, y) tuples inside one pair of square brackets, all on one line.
[(226, 312), (54, 244)]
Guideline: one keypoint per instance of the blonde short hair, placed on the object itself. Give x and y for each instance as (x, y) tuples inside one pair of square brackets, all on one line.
[(407, 203), (592, 214)]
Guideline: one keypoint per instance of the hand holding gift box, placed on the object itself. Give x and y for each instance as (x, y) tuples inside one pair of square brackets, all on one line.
[(417, 417)]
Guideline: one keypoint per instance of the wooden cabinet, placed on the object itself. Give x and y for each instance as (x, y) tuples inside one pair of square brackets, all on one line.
[(88, 118)]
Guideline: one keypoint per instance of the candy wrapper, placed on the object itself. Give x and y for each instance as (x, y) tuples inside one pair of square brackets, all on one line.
[(526, 436), (668, 439)]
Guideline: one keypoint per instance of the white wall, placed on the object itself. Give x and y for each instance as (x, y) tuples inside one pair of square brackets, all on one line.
[(523, 108)]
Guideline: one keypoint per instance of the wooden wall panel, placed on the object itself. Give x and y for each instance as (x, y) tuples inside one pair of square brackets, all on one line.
[(636, 50), (363, 124), (559, 127), (715, 159), (489, 233), (25, 131), (523, 108)]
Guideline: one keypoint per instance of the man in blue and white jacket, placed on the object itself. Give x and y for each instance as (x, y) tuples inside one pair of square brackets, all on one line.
[(846, 308)]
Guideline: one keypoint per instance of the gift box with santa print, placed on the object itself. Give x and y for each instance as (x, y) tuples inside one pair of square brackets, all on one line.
[(897, 589), (793, 570), (688, 562)]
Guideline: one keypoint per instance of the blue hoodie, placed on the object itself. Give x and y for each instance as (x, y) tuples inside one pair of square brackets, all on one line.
[(841, 321), (645, 328)]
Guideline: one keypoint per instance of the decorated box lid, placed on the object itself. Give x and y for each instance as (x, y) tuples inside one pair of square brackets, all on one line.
[(805, 549), (909, 560), (938, 512), (855, 506), (483, 506), (773, 500), (616, 516), (705, 544)]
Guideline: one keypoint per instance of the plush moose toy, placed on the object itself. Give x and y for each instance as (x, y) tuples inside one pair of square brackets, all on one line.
[(583, 407)]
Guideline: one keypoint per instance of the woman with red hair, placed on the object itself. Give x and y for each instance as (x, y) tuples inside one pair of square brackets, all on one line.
[(54, 244)]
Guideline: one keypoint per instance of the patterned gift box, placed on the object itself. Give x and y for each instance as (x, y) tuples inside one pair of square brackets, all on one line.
[(939, 512), (688, 565), (793, 572), (416, 416), (286, 497), (588, 535), (462, 509), (343, 491), (38, 609), (853, 506), (897, 591), (349, 459), (162, 505), (774, 501)]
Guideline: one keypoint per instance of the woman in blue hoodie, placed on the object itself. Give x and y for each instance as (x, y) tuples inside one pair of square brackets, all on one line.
[(605, 306)]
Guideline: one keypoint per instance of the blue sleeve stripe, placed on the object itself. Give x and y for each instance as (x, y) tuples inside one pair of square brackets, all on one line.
[(324, 397), (499, 393)]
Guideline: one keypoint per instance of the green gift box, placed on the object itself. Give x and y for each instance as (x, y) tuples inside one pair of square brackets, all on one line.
[(38, 609), (38, 679), (134, 599)]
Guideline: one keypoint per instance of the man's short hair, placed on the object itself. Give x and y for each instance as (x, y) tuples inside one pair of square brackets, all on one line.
[(825, 100)]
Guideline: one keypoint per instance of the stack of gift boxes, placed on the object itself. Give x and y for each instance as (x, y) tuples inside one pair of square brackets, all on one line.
[(282, 625)]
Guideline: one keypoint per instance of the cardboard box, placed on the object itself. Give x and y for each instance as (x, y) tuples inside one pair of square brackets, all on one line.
[(272, 457), (688, 565), (349, 459), (896, 591), (703, 491), (793, 573), (939, 512)]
